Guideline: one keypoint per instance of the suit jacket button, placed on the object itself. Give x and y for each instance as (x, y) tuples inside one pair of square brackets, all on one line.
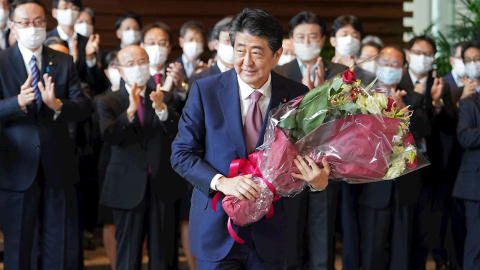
[(37, 146)]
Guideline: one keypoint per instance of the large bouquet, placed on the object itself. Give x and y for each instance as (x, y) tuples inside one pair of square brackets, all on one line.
[(350, 121)]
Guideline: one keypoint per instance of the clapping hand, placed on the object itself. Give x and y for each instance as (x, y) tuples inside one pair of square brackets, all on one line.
[(27, 94), (48, 93)]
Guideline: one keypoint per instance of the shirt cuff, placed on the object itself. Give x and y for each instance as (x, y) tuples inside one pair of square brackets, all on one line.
[(213, 184), (312, 189), (57, 113), (163, 114), (92, 62)]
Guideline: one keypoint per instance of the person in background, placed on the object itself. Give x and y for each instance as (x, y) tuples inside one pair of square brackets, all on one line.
[(84, 25), (39, 169), (57, 44), (373, 39), (367, 51), (454, 77), (192, 39), (4, 29), (288, 54), (345, 35), (467, 186), (307, 31), (127, 29)]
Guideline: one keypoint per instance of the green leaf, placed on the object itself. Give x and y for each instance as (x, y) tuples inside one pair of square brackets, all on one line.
[(288, 122), (350, 108), (312, 109)]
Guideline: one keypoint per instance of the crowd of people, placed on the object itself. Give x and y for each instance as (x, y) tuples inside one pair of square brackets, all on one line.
[(140, 145)]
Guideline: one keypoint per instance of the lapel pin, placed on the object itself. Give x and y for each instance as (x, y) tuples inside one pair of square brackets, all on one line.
[(284, 100)]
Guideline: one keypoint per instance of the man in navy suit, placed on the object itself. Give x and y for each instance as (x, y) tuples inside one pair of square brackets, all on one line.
[(192, 39), (37, 160), (211, 136)]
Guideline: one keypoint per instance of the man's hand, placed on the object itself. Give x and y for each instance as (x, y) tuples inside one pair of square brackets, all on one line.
[(202, 66), (397, 96), (306, 78), (92, 46), (437, 88), (319, 76), (48, 93), (317, 178), (469, 87), (134, 99), (74, 50), (174, 71), (241, 187), (27, 94), (157, 99)]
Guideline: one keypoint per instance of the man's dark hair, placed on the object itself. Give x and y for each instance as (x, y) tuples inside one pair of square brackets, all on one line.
[(159, 25), (307, 17), (17, 3), (473, 44), (55, 40), (90, 13), (260, 23), (399, 49), (194, 25), (369, 43), (220, 26), (77, 3), (111, 58), (127, 15), (345, 20), (453, 48), (420, 38)]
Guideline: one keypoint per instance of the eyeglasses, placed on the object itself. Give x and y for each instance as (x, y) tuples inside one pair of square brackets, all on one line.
[(36, 23), (418, 52), (386, 63), (140, 62), (475, 59)]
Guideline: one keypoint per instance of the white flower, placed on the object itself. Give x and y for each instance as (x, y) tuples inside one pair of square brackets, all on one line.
[(346, 88), (373, 106), (396, 169), (362, 103)]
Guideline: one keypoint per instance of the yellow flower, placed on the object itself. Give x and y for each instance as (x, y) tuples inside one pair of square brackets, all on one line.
[(396, 169)]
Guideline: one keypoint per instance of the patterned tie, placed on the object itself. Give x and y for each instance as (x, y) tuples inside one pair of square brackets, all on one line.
[(253, 122), (140, 111), (158, 79), (35, 80)]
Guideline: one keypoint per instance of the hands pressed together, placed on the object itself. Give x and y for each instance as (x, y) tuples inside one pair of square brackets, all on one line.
[(134, 98), (47, 92)]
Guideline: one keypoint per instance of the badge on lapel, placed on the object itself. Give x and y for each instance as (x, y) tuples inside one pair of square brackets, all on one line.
[(49, 65)]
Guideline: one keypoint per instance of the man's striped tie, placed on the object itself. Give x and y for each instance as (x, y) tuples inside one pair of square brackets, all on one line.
[(35, 80)]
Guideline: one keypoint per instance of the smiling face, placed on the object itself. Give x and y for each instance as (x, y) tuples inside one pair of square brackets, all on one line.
[(253, 59)]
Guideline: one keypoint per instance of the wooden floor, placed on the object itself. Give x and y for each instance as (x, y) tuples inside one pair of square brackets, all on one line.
[(96, 259)]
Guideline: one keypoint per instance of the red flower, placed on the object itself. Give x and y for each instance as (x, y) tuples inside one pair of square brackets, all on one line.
[(408, 139), (412, 165), (391, 104), (348, 77)]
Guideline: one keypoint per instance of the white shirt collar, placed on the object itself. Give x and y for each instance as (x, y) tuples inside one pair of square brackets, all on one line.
[(153, 71), (456, 78), (415, 79), (221, 66), (129, 90), (64, 35), (246, 90), (27, 56)]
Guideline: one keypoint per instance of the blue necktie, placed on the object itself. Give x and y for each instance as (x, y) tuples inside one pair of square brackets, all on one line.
[(35, 80)]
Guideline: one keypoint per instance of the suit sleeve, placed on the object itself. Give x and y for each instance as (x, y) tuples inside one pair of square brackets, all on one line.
[(468, 131), (114, 128), (77, 106), (188, 149)]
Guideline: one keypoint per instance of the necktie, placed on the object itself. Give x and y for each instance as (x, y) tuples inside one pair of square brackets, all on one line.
[(253, 122), (35, 80), (140, 111), (158, 79)]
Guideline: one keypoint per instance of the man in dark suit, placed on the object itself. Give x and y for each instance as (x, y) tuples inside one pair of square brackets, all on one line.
[(453, 78), (192, 40), (224, 58), (211, 136), (307, 31), (140, 184), (37, 161)]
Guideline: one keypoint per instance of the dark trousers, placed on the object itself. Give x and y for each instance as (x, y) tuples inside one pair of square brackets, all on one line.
[(471, 257), (37, 219), (386, 235), (350, 227), (321, 215), (152, 218)]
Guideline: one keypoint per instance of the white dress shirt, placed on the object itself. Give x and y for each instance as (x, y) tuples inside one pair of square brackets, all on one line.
[(221, 66), (189, 67), (244, 92)]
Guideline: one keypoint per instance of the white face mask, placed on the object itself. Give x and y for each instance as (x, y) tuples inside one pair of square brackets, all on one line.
[(225, 52), (67, 17), (473, 70), (192, 49), (4, 17), (459, 67), (31, 37), (347, 45), (285, 58), (130, 37), (306, 52), (136, 74), (114, 77), (370, 66), (389, 75), (420, 64), (83, 29), (157, 55)]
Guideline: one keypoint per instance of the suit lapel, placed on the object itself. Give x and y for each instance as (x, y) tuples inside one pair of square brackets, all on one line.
[(18, 66), (229, 99), (147, 107), (293, 71)]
